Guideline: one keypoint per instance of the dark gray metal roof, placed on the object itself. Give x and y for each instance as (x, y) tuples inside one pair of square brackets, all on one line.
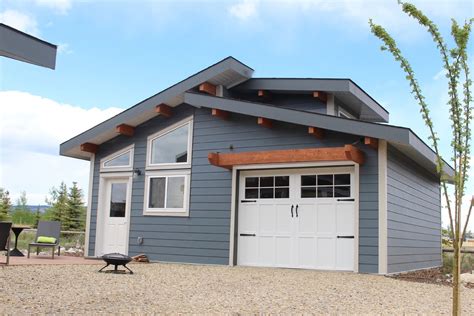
[(227, 72), (400, 137), (24, 47), (343, 89)]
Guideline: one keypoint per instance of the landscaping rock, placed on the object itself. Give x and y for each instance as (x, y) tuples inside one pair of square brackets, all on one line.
[(467, 278)]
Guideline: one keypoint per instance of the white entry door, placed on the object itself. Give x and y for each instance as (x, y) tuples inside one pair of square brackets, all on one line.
[(302, 218), (115, 216)]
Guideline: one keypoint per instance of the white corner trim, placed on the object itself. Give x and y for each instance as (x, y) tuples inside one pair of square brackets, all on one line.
[(382, 186), (89, 205), (356, 217), (331, 105), (232, 216)]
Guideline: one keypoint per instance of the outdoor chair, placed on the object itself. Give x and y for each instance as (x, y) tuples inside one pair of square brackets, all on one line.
[(48, 229), (5, 229)]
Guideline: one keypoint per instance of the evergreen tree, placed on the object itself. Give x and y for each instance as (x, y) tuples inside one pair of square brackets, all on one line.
[(37, 217), (5, 205), (58, 202), (73, 219)]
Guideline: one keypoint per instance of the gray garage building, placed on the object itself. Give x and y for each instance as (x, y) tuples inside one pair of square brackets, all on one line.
[(224, 168)]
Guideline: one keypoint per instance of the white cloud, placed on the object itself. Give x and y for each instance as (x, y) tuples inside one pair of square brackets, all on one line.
[(352, 15), (31, 129), (59, 6), (20, 21), (63, 48), (244, 10)]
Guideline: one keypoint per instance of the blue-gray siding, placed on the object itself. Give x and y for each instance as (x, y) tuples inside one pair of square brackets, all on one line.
[(203, 237), (414, 215)]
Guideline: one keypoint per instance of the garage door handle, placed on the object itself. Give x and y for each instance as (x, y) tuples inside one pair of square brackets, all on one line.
[(248, 235), (346, 237), (345, 200), (248, 201)]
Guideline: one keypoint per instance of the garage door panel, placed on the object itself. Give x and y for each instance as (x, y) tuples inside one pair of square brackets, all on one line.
[(307, 219), (248, 218), (284, 224), (283, 249), (266, 252), (326, 253), (267, 219), (248, 251), (326, 218), (344, 254), (345, 218), (306, 252)]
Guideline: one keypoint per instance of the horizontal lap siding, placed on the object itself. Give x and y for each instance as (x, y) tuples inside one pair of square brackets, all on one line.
[(211, 186), (414, 215)]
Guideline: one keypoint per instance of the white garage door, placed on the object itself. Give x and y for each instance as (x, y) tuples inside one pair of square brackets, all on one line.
[(301, 218)]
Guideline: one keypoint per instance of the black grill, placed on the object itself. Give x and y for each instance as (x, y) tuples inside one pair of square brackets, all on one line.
[(116, 259)]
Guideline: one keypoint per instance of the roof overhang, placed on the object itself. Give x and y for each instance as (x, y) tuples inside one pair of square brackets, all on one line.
[(353, 97), (400, 137), (227, 73), (24, 47)]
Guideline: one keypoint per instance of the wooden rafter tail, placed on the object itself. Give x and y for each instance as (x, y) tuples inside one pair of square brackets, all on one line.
[(124, 129), (316, 132), (220, 114), (164, 109), (90, 148), (208, 88), (263, 94), (264, 122), (371, 142), (355, 154), (320, 95)]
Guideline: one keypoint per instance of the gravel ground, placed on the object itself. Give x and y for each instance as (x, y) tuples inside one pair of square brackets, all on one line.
[(176, 288)]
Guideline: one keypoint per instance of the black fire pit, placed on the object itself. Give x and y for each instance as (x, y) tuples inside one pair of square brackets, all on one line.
[(116, 259)]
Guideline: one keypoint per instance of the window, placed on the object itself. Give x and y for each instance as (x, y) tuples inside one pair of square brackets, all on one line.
[(167, 192), (326, 186), (277, 187), (168, 169), (171, 147), (119, 161), (118, 199)]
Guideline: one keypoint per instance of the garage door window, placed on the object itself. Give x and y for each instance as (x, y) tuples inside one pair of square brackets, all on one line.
[(325, 185), (277, 187)]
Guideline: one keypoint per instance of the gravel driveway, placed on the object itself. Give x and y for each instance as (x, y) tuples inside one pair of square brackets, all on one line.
[(176, 288)]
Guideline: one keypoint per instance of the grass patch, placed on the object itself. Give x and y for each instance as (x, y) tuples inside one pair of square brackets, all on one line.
[(467, 262)]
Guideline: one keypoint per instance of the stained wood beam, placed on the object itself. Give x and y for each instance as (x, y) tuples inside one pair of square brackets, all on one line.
[(228, 160), (355, 154), (322, 96), (264, 122), (208, 88), (371, 142), (316, 132), (164, 109), (125, 129), (220, 114), (90, 148)]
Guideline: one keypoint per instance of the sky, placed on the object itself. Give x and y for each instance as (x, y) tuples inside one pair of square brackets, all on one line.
[(113, 54)]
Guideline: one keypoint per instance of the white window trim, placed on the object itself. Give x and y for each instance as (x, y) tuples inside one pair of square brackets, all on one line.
[(115, 155), (345, 114), (173, 211), (177, 165)]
